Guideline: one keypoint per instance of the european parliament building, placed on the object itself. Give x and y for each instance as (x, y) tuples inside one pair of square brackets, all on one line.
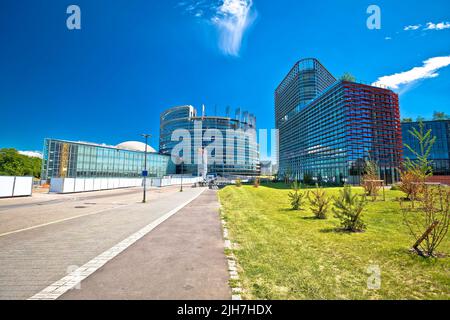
[(69, 159), (239, 148), (328, 128)]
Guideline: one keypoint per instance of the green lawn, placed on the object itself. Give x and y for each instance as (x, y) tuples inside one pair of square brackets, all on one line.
[(285, 254)]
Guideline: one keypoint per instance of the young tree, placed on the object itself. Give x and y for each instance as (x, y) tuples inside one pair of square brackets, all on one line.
[(296, 197), (437, 115), (348, 77), (370, 179), (416, 171), (428, 223), (348, 208), (320, 202), (257, 182)]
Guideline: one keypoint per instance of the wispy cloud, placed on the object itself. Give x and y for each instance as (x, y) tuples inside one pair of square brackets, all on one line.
[(412, 27), (427, 70), (437, 26), (33, 154), (428, 26), (231, 18)]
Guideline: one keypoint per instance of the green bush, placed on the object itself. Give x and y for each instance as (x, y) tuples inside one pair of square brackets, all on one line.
[(296, 197), (319, 202), (238, 183), (348, 208)]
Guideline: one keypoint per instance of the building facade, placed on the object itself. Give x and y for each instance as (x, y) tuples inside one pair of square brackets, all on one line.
[(68, 159), (330, 133), (440, 152), (221, 145)]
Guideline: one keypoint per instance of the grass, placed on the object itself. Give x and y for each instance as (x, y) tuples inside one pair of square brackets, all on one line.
[(285, 254)]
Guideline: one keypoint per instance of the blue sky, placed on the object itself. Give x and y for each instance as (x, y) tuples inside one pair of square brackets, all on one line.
[(109, 81)]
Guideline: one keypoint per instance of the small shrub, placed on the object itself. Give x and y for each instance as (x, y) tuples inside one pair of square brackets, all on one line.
[(320, 203), (348, 208), (411, 183), (296, 197), (428, 223), (257, 182), (370, 180), (238, 183)]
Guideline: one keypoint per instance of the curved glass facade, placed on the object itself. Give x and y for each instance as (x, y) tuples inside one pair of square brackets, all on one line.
[(66, 159), (237, 153)]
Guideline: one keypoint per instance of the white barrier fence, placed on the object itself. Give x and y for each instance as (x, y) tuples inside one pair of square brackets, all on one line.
[(164, 182), (15, 186), (71, 185)]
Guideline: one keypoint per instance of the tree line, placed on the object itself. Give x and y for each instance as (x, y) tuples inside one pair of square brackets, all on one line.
[(12, 163)]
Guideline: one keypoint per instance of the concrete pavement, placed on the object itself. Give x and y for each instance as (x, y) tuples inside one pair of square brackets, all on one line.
[(76, 230), (182, 258)]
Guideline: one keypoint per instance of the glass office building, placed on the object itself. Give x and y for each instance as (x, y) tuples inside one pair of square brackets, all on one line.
[(440, 152), (330, 133), (239, 149), (68, 159)]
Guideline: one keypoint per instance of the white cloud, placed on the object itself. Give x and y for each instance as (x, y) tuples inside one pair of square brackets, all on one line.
[(412, 27), (437, 26), (388, 38), (428, 70), (33, 154), (429, 26), (231, 17)]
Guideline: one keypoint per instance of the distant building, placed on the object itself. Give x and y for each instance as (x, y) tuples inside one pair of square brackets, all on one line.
[(239, 154), (328, 128), (69, 159), (266, 168), (440, 153)]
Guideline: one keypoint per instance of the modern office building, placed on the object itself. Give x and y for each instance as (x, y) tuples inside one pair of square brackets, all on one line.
[(266, 168), (237, 154), (68, 159), (328, 128), (440, 152)]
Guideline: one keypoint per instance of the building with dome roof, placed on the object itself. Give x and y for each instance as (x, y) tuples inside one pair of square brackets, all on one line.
[(78, 159)]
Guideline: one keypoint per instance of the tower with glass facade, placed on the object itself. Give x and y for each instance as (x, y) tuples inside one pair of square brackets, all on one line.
[(328, 128)]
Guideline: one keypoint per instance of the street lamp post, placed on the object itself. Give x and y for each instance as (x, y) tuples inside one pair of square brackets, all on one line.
[(181, 186), (145, 173)]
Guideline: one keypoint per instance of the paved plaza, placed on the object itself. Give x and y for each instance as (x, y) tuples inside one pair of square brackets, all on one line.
[(178, 253)]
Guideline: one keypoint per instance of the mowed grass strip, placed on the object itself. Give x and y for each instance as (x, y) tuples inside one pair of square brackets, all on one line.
[(286, 254)]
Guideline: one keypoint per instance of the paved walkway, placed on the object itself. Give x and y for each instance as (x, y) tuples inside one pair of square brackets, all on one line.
[(182, 258), (71, 233)]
